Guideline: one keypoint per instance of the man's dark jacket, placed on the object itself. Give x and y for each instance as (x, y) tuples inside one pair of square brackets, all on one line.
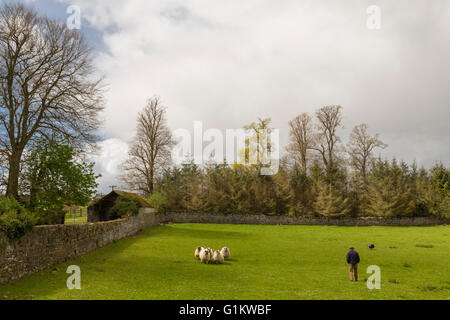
[(353, 257)]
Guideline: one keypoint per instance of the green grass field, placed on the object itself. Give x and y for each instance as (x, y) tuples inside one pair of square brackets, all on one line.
[(268, 262)]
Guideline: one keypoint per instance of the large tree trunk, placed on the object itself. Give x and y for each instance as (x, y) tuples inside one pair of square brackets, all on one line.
[(13, 173), (304, 163), (151, 180)]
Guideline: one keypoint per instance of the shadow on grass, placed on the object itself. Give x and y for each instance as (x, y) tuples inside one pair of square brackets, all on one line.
[(225, 264)]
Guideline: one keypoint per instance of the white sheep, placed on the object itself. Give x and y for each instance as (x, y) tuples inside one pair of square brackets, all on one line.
[(197, 252), (205, 256), (225, 252), (218, 257)]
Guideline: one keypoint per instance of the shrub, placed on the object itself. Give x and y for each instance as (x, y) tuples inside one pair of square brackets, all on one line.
[(125, 206), (46, 217), (15, 220), (158, 201)]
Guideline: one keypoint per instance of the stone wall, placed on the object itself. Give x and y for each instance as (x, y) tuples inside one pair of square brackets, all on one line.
[(300, 220), (46, 246)]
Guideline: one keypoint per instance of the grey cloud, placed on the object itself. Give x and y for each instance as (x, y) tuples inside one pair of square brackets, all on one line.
[(243, 60)]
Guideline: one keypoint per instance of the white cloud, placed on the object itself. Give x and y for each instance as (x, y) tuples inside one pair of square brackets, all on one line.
[(113, 153)]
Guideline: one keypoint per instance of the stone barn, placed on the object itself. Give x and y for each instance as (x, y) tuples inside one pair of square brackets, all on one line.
[(100, 209)]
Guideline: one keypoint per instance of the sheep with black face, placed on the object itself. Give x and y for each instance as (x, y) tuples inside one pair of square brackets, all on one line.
[(197, 252), (218, 257), (225, 252), (205, 256)]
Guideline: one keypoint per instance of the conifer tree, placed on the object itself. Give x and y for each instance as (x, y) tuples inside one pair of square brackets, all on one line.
[(389, 191), (331, 203), (435, 192)]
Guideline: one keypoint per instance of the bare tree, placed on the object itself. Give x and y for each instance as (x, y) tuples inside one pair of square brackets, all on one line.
[(46, 85), (329, 120), (301, 139), (360, 148), (150, 150)]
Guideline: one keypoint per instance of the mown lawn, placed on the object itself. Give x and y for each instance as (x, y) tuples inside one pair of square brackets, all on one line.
[(268, 262), (76, 218)]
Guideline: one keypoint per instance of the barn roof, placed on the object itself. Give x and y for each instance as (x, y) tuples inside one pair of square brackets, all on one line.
[(134, 195), (143, 202)]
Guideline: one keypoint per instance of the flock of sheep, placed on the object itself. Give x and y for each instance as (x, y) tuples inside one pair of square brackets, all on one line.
[(206, 255)]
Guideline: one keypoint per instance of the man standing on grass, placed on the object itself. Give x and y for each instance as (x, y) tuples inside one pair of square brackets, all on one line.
[(353, 260)]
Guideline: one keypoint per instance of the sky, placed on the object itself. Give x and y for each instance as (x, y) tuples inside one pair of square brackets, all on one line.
[(226, 63)]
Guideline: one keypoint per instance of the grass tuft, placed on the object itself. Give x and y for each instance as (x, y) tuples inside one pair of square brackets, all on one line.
[(427, 246), (394, 281)]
